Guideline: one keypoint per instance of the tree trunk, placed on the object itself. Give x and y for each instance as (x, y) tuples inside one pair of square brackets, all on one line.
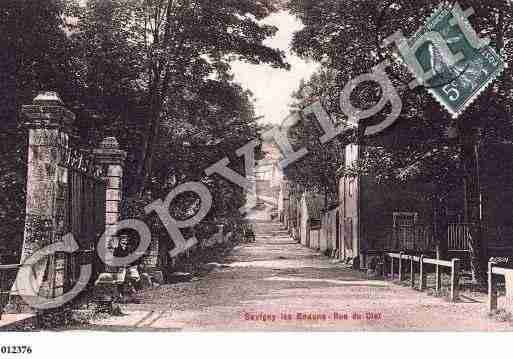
[(156, 96), (473, 208), (441, 225), (151, 139)]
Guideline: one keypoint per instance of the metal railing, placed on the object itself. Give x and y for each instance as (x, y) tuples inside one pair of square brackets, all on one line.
[(457, 236), (412, 238)]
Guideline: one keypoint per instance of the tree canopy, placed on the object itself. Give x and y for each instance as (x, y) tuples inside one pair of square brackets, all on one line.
[(346, 36), (154, 73)]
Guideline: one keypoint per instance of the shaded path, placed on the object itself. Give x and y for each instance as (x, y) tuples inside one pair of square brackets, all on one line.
[(269, 282)]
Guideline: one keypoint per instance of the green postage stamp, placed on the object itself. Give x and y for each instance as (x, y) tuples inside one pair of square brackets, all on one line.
[(455, 86)]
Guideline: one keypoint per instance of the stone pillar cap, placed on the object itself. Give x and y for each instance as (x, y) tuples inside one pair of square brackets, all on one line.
[(109, 153), (110, 143), (48, 98), (47, 110)]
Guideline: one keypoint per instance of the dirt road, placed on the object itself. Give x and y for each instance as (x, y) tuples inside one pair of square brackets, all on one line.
[(276, 284)]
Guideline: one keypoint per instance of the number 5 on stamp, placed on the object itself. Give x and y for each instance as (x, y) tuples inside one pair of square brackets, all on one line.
[(455, 86)]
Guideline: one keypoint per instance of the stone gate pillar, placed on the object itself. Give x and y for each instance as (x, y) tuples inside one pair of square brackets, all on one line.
[(49, 124), (112, 160)]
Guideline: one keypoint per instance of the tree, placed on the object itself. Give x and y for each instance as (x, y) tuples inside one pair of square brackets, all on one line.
[(163, 48), (346, 35), (34, 57), (154, 73), (318, 171), (157, 75)]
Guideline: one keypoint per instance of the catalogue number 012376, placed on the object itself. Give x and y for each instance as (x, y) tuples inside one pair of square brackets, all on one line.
[(15, 349)]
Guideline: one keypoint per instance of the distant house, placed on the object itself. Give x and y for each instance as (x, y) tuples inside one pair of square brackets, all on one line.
[(293, 213), (370, 217), (367, 217), (330, 230), (283, 201), (310, 220), (306, 217), (373, 217), (263, 175), (269, 176)]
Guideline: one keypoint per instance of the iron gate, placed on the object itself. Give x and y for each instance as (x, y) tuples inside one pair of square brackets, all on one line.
[(80, 211)]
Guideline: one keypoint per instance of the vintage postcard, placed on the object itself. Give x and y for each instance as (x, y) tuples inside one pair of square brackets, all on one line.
[(255, 166)]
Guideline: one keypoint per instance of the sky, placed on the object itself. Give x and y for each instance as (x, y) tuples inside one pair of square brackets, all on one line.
[(272, 88)]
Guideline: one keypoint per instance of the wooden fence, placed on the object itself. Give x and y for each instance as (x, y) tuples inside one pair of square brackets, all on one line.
[(493, 272), (454, 265)]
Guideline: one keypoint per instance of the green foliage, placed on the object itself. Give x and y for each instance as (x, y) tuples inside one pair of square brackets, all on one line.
[(155, 74), (153, 57), (346, 36), (317, 171), (33, 57)]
